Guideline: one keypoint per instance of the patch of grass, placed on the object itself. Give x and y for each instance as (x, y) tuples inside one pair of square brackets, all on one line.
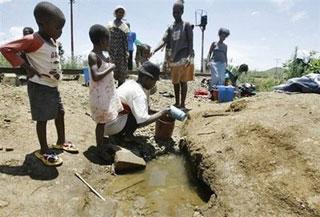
[(262, 81), (69, 63), (4, 62)]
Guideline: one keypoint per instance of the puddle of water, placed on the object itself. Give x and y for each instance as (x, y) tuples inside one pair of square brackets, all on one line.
[(164, 188)]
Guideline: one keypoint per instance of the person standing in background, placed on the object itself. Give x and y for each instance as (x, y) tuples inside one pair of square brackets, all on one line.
[(131, 40), (218, 59), (179, 39), (119, 44), (27, 31)]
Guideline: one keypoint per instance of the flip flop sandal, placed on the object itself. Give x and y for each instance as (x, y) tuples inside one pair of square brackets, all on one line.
[(51, 160), (67, 146)]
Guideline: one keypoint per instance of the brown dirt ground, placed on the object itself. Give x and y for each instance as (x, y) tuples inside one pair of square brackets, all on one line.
[(261, 159), (27, 188)]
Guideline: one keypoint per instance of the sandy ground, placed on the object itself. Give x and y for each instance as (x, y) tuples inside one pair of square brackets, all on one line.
[(28, 188), (260, 161), (261, 158)]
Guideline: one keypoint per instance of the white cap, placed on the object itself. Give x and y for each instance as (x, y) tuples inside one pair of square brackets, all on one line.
[(117, 8)]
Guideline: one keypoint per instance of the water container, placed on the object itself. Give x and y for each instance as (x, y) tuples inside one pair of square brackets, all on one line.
[(86, 75), (164, 128), (177, 114), (226, 93)]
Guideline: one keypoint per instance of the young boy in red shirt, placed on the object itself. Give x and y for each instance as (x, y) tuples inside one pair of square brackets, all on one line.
[(44, 72)]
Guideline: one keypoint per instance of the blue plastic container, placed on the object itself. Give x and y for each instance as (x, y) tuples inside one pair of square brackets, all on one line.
[(226, 93), (86, 75), (177, 114)]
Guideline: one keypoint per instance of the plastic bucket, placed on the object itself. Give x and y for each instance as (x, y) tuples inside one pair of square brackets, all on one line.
[(226, 93), (86, 75), (164, 128)]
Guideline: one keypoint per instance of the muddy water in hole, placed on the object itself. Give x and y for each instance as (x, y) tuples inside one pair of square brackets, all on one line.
[(164, 188)]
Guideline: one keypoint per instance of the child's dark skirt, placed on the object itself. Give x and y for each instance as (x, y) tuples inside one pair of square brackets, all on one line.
[(45, 101)]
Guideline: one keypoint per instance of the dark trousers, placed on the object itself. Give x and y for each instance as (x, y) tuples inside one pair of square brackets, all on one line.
[(130, 127), (130, 63)]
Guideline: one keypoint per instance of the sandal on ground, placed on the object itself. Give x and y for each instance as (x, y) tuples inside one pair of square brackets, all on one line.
[(67, 146), (49, 159)]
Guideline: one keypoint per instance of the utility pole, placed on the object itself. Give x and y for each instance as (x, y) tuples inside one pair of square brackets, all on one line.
[(71, 24), (202, 14), (202, 45)]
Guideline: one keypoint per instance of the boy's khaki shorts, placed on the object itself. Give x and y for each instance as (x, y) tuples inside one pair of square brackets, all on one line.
[(182, 73)]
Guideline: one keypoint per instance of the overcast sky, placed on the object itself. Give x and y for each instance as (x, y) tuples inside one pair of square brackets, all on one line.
[(263, 32)]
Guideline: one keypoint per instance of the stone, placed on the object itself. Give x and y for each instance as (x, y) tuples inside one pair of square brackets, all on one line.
[(3, 203), (125, 160), (10, 79)]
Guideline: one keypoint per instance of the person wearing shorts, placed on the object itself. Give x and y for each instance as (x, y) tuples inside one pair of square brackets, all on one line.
[(178, 39)]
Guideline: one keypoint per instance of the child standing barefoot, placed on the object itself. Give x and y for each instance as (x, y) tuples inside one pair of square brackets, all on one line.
[(178, 39), (104, 102)]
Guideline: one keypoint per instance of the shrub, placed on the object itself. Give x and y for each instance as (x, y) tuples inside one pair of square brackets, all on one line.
[(76, 63), (298, 67)]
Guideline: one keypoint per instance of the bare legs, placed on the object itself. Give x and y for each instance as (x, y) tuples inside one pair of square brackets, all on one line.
[(180, 92)]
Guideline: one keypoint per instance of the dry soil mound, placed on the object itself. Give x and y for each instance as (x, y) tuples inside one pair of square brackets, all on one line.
[(260, 155)]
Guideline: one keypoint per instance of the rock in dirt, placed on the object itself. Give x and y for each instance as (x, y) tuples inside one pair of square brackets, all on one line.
[(237, 106), (125, 160), (3, 203), (10, 79), (9, 149)]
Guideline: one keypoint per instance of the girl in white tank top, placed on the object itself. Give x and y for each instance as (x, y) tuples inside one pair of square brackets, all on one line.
[(104, 101)]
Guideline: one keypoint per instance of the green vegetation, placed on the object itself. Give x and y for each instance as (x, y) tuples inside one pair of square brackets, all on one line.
[(76, 63), (3, 62), (298, 67), (265, 80)]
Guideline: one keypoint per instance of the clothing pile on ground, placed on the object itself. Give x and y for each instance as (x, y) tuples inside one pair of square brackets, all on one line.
[(306, 84)]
